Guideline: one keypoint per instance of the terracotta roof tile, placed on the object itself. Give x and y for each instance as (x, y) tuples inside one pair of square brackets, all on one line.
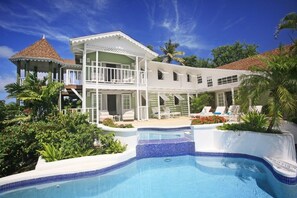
[(69, 61), (40, 49), (257, 60)]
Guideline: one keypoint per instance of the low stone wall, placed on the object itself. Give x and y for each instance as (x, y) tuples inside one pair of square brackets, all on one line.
[(209, 139)]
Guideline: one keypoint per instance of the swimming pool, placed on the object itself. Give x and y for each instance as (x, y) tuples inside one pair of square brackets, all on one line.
[(149, 134), (183, 176)]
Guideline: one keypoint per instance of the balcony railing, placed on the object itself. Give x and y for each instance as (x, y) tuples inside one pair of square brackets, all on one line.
[(73, 77), (114, 75)]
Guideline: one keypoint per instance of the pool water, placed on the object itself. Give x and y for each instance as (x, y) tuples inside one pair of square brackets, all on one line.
[(159, 134), (183, 176)]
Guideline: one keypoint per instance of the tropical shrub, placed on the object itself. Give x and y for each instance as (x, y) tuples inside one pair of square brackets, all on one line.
[(207, 120), (18, 147), (109, 122), (278, 82), (57, 137), (75, 136), (201, 101), (252, 121)]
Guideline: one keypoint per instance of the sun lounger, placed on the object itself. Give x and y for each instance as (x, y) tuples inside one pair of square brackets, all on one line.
[(204, 112)]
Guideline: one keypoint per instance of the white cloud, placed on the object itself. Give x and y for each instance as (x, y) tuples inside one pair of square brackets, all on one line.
[(6, 52), (181, 27), (6, 79), (233, 23)]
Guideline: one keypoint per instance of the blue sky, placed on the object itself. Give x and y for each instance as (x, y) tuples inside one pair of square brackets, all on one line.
[(197, 25)]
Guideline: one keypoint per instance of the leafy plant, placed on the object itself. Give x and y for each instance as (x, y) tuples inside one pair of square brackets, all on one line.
[(37, 95), (50, 153), (255, 119), (18, 147), (251, 122), (278, 82), (201, 101), (109, 122)]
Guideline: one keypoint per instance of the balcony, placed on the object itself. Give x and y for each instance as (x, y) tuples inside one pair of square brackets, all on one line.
[(73, 77), (114, 75)]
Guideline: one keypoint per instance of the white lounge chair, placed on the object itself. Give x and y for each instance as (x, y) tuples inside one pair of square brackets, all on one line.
[(128, 115), (155, 113), (103, 114), (220, 110), (232, 113), (171, 114), (204, 111), (257, 108)]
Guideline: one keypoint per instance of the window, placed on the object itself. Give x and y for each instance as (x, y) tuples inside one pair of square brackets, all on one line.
[(143, 101), (221, 99), (162, 102), (126, 101), (199, 79), (188, 78), (176, 100), (209, 81), (94, 100), (175, 76), (160, 75), (227, 80)]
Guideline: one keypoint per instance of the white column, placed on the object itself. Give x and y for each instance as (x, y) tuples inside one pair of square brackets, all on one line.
[(84, 73), (97, 91), (189, 108), (232, 93), (146, 90), (159, 116), (97, 106), (137, 87)]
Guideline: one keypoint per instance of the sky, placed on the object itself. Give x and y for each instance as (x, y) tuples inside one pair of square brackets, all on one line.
[(197, 25)]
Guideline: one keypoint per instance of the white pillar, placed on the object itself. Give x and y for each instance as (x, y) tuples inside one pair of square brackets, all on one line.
[(159, 116), (97, 106), (97, 91), (189, 108), (146, 90), (137, 87), (232, 93), (84, 73)]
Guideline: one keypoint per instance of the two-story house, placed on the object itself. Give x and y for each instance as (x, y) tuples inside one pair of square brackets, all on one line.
[(115, 74)]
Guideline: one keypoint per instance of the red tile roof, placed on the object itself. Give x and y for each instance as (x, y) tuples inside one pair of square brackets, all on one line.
[(257, 60), (69, 61), (39, 50)]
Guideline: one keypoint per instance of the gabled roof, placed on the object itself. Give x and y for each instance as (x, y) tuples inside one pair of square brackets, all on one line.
[(116, 34), (257, 60), (40, 50)]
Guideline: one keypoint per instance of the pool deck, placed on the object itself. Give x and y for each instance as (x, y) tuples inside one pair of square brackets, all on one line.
[(169, 122)]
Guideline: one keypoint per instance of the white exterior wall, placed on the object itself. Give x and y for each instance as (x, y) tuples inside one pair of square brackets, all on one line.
[(279, 146), (182, 85)]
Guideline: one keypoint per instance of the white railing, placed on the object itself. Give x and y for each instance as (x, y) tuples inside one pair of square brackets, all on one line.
[(73, 77), (92, 112), (114, 75)]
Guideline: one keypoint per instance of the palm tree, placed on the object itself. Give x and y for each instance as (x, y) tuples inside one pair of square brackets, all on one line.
[(278, 82), (288, 22), (170, 52), (38, 96)]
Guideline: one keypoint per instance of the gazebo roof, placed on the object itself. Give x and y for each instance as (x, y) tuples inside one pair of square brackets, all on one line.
[(40, 50)]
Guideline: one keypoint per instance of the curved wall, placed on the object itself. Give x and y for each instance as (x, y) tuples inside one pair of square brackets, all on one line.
[(280, 146)]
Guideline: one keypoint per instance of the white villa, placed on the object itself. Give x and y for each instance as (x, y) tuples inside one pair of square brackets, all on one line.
[(113, 74)]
